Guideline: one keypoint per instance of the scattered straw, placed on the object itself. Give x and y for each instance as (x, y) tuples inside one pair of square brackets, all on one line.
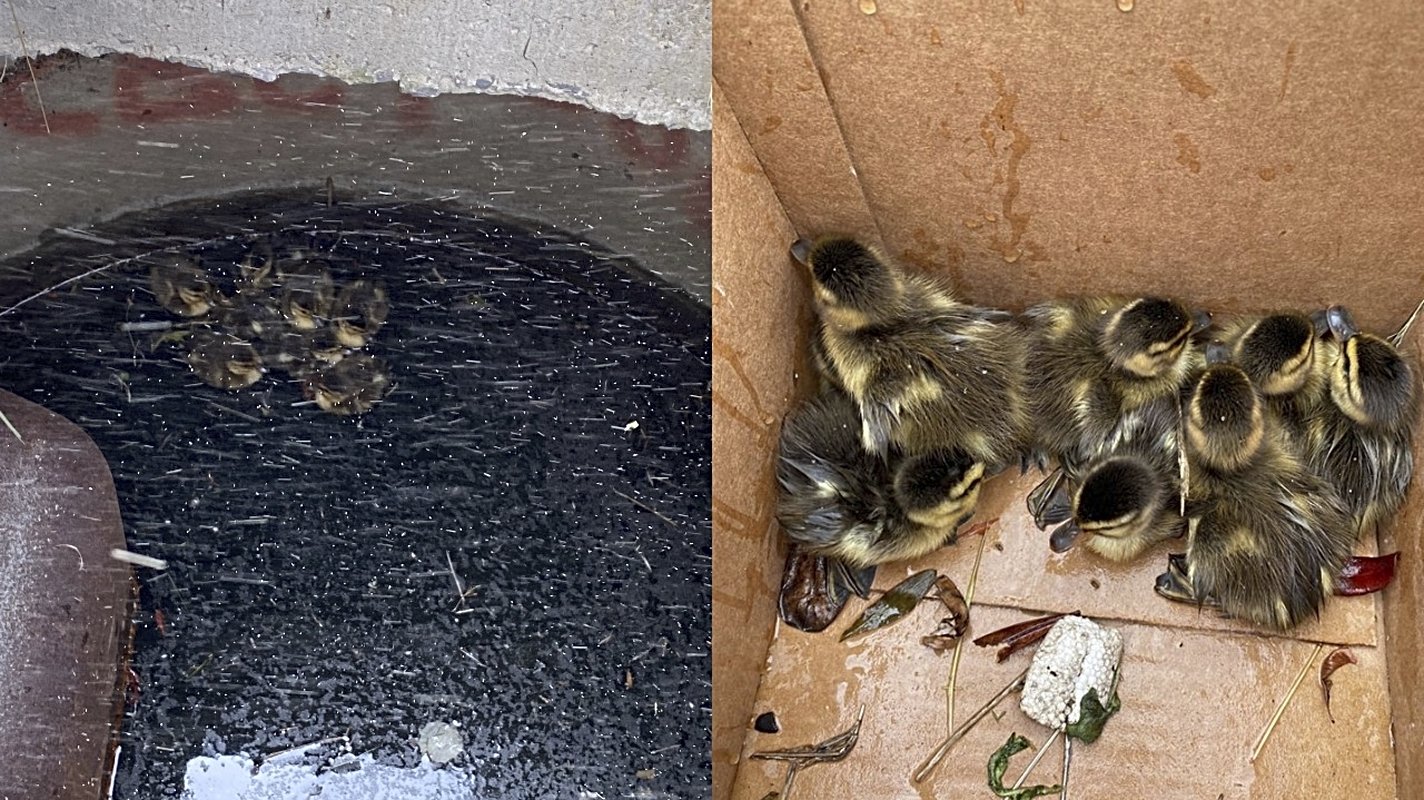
[(1285, 701)]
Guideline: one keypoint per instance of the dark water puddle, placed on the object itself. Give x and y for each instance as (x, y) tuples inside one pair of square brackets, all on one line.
[(549, 431)]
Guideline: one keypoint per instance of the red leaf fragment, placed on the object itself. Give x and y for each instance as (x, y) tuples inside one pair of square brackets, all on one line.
[(1338, 658), (1020, 635), (1366, 574)]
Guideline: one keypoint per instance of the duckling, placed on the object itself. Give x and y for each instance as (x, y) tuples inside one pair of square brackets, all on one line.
[(299, 353), (1266, 536), (1093, 363), (839, 501), (252, 317), (1287, 357), (183, 287), (927, 371), (224, 360), (1131, 499), (352, 385), (307, 292), (256, 273), (1363, 439), (360, 310)]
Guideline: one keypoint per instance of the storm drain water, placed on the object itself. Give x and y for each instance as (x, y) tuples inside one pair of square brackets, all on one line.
[(545, 448)]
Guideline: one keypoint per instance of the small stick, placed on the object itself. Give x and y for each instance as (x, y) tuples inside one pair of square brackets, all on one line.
[(1037, 757), (1285, 701), (959, 645), (25, 48), (940, 752), (11, 426), (1398, 336), (1067, 762), (640, 504), (137, 559)]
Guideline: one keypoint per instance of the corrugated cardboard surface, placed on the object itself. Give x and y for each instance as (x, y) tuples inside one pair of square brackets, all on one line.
[(760, 317), (1243, 157)]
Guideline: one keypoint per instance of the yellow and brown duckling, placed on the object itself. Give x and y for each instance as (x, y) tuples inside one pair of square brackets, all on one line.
[(223, 360), (257, 272), (307, 291), (837, 500), (352, 385), (1287, 356), (927, 371), (1362, 441), (1129, 500), (360, 310), (1266, 537), (182, 286), (1093, 364)]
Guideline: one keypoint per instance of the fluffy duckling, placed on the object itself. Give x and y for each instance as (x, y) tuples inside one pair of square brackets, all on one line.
[(224, 360), (252, 317), (1093, 364), (352, 385), (257, 272), (1287, 357), (307, 291), (927, 371), (360, 310), (1362, 442), (1265, 536), (839, 501), (1094, 360), (1131, 499), (299, 353), (183, 287)]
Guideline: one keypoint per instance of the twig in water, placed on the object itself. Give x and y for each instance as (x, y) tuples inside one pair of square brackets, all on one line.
[(77, 553), (25, 48), (461, 593), (640, 504), (1285, 701)]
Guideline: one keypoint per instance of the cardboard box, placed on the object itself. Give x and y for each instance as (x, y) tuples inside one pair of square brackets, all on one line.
[(1243, 157)]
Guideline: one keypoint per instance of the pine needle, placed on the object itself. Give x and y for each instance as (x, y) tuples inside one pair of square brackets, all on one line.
[(25, 48), (959, 645), (1285, 701)]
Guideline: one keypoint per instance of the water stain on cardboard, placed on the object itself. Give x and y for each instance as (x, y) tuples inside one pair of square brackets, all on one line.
[(1191, 80), (1187, 154), (1002, 118)]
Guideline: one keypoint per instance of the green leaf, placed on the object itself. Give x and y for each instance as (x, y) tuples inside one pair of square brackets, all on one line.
[(1092, 716), (894, 606), (999, 764)]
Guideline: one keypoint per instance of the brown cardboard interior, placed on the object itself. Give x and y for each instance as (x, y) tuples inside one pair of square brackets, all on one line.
[(1240, 157)]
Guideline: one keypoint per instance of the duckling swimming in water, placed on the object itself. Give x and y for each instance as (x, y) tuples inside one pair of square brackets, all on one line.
[(183, 287), (1266, 537), (307, 292), (927, 371), (353, 385), (1362, 440), (838, 500), (360, 310), (224, 360)]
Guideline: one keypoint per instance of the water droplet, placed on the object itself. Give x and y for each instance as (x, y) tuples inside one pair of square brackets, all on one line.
[(1124, 5), (867, 7)]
